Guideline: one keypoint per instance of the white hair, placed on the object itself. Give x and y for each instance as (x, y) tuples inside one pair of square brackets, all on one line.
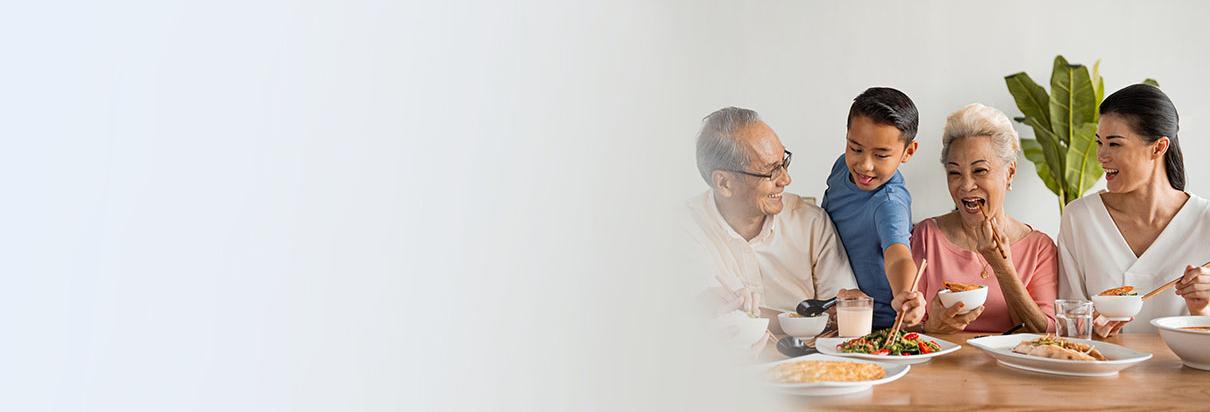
[(716, 145), (977, 120)]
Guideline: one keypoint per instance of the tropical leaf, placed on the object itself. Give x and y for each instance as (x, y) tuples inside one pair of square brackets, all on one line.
[(1053, 155), (1064, 123), (1033, 152), (1098, 87), (1072, 98), (1082, 167), (1030, 97)]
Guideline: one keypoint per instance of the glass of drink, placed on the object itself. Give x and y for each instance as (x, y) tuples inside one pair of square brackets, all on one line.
[(854, 316), (1073, 318)]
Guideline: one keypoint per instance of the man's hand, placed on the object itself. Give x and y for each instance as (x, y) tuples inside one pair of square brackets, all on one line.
[(745, 299), (850, 294)]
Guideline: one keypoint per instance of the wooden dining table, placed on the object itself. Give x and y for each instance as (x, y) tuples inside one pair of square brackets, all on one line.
[(972, 380)]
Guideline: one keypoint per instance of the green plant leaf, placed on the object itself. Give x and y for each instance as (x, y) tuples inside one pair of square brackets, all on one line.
[(1098, 86), (1082, 167), (1033, 152), (1151, 82), (1030, 97), (1072, 99), (1052, 154)]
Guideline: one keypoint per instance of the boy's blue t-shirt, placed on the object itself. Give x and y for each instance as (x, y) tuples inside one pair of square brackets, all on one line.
[(868, 223)]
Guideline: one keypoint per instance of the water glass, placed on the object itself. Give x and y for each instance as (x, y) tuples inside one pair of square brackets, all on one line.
[(1073, 318)]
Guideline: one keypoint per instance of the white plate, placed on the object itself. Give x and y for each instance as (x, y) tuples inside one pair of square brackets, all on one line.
[(893, 372), (827, 346), (1001, 348)]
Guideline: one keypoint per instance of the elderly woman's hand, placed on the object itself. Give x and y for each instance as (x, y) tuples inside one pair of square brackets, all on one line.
[(989, 245), (1195, 288), (947, 320)]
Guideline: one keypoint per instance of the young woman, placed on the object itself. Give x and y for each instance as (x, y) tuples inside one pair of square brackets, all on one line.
[(1144, 229)]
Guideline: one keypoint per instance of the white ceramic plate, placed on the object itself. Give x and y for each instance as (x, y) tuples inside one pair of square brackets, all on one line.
[(893, 372), (1001, 348), (827, 346)]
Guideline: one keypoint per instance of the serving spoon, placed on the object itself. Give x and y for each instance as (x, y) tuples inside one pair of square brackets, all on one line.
[(814, 307)]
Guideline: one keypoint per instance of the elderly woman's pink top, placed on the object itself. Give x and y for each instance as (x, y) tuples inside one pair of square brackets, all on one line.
[(1034, 256)]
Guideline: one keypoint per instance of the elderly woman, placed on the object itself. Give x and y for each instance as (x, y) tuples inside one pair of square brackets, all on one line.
[(1144, 229), (978, 243)]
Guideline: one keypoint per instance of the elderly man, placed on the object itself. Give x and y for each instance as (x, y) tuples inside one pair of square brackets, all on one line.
[(764, 248)]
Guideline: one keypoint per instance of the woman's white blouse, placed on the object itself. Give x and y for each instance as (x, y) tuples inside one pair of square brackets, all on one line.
[(1094, 256)]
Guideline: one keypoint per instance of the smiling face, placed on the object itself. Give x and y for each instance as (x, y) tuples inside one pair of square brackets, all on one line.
[(977, 177), (1130, 162), (758, 195), (874, 151)]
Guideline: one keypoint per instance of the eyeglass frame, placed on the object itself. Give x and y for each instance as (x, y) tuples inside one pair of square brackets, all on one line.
[(784, 167)]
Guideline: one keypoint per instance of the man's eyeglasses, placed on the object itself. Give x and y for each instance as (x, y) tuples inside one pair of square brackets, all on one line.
[(776, 173)]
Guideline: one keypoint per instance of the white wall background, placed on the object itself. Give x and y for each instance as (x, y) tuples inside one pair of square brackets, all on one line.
[(375, 205), (800, 64)]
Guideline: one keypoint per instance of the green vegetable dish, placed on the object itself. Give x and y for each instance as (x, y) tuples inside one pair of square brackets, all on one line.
[(908, 344)]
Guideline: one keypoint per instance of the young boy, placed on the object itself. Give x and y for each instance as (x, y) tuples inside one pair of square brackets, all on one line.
[(870, 205)]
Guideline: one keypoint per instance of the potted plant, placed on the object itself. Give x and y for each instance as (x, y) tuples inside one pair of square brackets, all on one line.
[(1064, 122)]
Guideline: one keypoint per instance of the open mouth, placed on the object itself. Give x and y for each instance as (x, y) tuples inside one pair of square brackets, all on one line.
[(775, 196), (973, 204), (1110, 173), (863, 180)]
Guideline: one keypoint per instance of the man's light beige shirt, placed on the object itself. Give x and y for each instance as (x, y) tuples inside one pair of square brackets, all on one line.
[(797, 254)]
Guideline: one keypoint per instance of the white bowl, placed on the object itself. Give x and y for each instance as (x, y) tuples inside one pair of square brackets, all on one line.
[(802, 327), (1188, 345), (970, 299), (1117, 307), (740, 331)]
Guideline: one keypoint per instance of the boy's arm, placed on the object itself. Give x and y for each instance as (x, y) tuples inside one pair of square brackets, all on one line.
[(900, 271), (900, 268)]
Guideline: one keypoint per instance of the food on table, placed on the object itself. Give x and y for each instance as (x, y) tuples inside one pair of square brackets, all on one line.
[(1122, 291), (1197, 328), (1054, 347), (960, 287), (908, 343), (826, 371)]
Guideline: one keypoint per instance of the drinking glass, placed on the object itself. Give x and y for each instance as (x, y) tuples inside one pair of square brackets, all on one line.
[(1073, 318), (854, 316)]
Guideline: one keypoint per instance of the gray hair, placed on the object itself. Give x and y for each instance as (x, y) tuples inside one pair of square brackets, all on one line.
[(978, 120), (717, 148)]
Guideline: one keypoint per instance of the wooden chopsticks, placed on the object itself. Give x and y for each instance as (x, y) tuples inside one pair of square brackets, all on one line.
[(1165, 286), (995, 232), (894, 335)]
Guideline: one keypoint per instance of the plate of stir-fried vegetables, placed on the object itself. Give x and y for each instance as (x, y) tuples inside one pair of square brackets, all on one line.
[(909, 347)]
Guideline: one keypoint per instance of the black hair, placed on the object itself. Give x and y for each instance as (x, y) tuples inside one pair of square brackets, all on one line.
[(887, 106), (1150, 113)]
